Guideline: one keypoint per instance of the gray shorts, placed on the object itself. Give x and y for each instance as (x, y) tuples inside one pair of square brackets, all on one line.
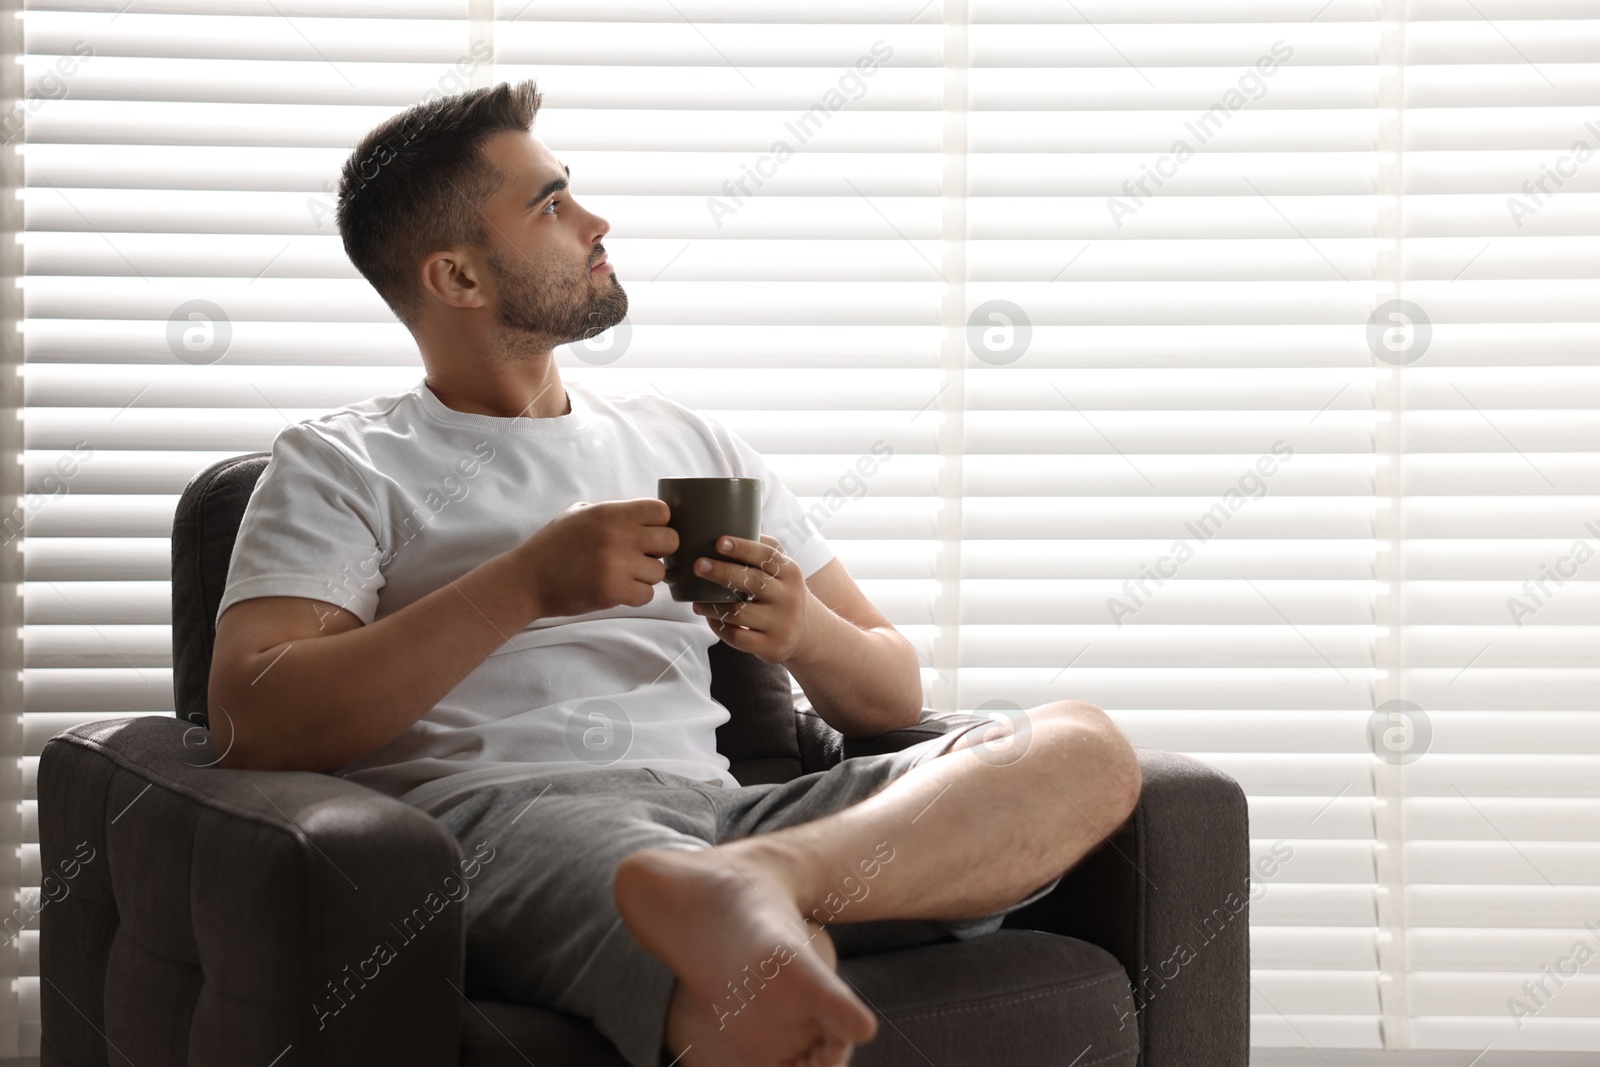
[(541, 924)]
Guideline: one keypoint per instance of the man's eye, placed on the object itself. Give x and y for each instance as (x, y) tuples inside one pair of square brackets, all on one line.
[(550, 205)]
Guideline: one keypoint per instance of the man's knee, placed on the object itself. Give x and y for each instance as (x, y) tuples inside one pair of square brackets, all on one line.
[(1082, 738)]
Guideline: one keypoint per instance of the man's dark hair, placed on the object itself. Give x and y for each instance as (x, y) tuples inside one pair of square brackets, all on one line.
[(413, 186)]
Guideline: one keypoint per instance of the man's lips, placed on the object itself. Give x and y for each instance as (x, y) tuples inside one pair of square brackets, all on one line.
[(603, 265)]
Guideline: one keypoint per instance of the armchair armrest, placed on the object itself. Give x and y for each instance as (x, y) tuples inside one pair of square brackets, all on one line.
[(821, 746), (202, 915), (1168, 895)]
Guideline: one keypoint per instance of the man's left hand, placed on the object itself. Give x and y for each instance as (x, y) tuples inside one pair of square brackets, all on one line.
[(772, 625)]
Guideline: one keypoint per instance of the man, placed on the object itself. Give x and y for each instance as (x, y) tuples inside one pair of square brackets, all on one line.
[(454, 595)]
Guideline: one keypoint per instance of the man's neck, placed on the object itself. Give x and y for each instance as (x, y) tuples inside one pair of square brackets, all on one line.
[(529, 391)]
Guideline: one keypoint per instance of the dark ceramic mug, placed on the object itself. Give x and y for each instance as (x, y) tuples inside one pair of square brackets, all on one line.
[(704, 509)]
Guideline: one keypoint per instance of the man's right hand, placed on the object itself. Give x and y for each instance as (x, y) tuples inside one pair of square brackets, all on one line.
[(597, 556)]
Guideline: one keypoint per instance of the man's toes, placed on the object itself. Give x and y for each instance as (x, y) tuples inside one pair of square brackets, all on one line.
[(845, 1018), (833, 1053), (827, 1052)]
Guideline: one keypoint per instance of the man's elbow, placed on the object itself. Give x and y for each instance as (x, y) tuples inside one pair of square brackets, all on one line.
[(236, 741), (236, 759), (233, 751), (248, 753), (901, 716)]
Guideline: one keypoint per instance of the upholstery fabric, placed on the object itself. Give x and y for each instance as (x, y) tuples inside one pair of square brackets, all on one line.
[(1168, 895), (219, 906), (1014, 997), (759, 739), (203, 528)]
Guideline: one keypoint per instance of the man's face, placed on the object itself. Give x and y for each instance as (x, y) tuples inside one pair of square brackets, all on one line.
[(542, 246)]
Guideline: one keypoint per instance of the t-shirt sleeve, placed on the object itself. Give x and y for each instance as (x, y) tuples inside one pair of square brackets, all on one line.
[(781, 514), (310, 529)]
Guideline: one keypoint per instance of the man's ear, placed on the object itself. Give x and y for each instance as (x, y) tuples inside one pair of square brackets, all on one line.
[(455, 277)]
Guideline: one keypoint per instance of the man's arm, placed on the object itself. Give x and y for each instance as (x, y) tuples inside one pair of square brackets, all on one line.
[(297, 686), (860, 672)]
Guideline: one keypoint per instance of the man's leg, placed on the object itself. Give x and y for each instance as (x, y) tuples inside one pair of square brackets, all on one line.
[(969, 834), (541, 924)]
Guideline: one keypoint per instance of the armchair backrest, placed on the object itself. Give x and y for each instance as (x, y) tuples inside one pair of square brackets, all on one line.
[(760, 740)]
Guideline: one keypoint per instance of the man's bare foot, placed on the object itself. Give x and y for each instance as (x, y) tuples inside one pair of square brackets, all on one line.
[(744, 956), (693, 1039)]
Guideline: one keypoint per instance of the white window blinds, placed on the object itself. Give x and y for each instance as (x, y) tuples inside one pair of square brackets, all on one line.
[(1499, 487), (1055, 315), (1184, 213)]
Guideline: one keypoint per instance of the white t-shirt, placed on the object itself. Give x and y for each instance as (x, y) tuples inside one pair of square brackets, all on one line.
[(375, 505)]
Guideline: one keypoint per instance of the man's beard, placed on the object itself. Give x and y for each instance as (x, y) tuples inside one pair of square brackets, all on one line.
[(540, 309)]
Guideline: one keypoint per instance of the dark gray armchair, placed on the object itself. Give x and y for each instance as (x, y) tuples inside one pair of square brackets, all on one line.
[(224, 912)]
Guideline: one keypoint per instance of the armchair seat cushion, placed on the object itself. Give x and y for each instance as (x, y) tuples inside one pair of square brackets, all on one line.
[(1014, 996)]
